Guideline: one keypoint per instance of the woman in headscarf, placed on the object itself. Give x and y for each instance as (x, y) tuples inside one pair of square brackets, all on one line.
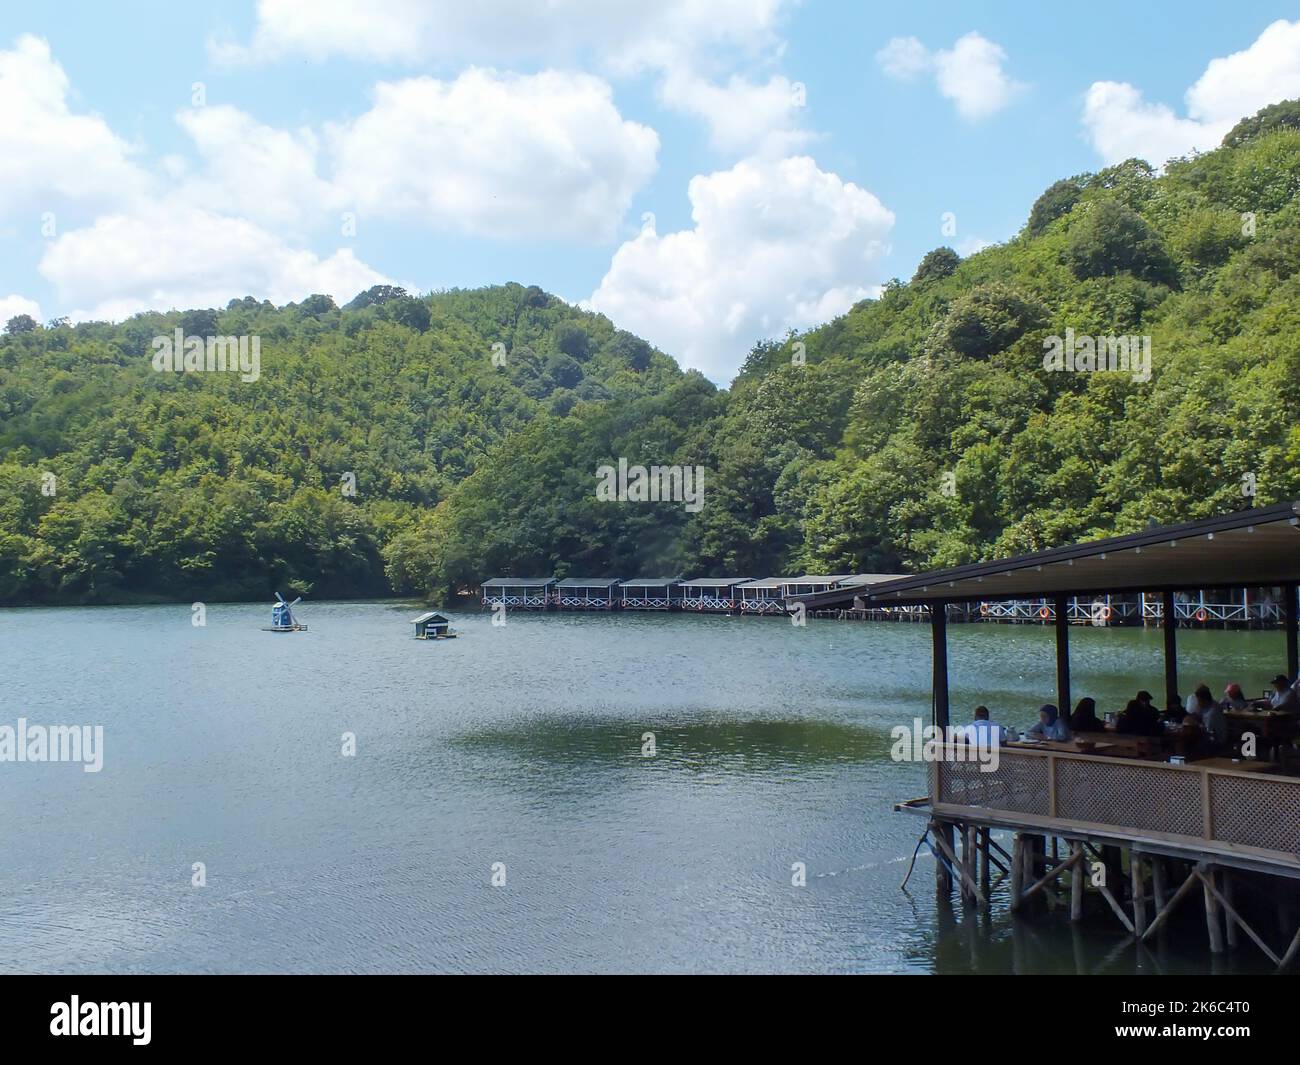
[(1050, 726), (1084, 718)]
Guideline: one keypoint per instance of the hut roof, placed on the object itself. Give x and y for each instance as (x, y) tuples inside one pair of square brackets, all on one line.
[(768, 582), (432, 615), (588, 582), (715, 582), (650, 582), (517, 582)]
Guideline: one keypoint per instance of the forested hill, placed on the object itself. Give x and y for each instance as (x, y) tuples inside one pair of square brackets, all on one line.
[(118, 481), (921, 428)]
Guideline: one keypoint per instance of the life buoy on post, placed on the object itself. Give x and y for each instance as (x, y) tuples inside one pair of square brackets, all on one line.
[(984, 609), (1201, 615), (1045, 613), (1107, 613)]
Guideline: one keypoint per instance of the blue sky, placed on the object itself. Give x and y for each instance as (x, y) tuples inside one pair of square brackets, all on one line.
[(793, 156)]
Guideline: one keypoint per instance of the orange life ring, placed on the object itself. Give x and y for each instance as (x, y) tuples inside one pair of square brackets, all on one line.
[(984, 609), (1045, 613), (1201, 615), (1107, 613)]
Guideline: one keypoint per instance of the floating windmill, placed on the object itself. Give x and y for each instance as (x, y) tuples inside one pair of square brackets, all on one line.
[(282, 619)]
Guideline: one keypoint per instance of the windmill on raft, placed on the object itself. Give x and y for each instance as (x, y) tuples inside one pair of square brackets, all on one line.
[(282, 619)]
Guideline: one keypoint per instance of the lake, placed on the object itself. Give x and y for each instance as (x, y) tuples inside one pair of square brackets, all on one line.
[(516, 753)]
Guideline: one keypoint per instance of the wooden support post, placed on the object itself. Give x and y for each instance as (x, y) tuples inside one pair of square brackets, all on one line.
[(1077, 874), (1170, 623), (1017, 870), (1158, 881), (1063, 656), (985, 875), (1139, 894), (1291, 616), (1213, 924)]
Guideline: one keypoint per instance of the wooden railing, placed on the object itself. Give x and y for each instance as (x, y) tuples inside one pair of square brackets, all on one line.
[(1226, 810)]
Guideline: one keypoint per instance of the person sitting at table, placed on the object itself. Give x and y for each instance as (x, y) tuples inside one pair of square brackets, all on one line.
[(1215, 725), (1139, 719), (983, 731), (1175, 712), (1284, 696), (1233, 699), (1049, 725), (1200, 701), (1147, 699), (1084, 718)]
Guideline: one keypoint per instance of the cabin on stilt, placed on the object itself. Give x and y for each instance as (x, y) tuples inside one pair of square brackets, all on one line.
[(650, 593), (518, 593), (1224, 829), (712, 594), (587, 593), (762, 596), (810, 584)]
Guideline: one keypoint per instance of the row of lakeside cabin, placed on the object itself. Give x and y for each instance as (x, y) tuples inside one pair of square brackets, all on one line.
[(743, 595)]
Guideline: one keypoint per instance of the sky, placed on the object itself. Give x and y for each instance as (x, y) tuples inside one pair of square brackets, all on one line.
[(706, 174)]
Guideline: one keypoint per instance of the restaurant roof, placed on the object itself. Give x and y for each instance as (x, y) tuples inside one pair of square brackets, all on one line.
[(715, 582), (1250, 548), (650, 582), (588, 582), (515, 582)]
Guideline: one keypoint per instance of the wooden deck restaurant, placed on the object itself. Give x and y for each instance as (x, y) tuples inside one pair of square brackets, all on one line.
[(1224, 830)]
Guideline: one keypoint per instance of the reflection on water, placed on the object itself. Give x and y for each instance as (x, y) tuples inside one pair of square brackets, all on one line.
[(519, 745)]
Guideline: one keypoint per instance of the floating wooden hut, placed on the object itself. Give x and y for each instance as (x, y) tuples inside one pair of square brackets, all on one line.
[(811, 584), (1206, 829), (763, 596), (587, 593), (712, 594), (433, 626), (518, 593), (650, 593)]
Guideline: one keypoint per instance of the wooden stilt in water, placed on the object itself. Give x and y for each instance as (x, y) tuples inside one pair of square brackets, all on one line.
[(1213, 924), (1139, 894), (1230, 909), (1017, 869), (985, 874), (1158, 881), (942, 832), (1077, 875)]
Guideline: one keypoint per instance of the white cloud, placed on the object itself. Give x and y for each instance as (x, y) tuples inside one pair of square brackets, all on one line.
[(621, 35), (175, 255), (905, 58), (499, 155), (13, 305), (691, 45), (742, 115), (970, 73), (249, 169), (1121, 124), (50, 155), (776, 244)]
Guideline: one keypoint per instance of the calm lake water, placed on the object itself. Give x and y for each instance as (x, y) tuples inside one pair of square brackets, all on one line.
[(520, 745)]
